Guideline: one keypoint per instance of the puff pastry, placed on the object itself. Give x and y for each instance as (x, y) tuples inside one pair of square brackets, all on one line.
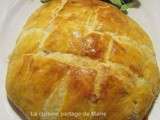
[(82, 56)]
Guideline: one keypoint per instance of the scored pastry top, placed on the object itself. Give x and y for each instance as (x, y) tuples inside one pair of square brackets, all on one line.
[(83, 56)]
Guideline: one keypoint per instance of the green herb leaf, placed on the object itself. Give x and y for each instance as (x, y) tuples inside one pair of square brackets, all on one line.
[(124, 7), (116, 2), (122, 4)]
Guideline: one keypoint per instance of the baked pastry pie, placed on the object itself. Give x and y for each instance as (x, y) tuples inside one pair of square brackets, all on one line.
[(82, 56)]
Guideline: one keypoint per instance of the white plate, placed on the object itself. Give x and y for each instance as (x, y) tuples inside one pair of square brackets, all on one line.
[(13, 15)]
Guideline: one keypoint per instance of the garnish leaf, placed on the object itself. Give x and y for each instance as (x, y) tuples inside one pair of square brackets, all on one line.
[(124, 7), (122, 4), (116, 2)]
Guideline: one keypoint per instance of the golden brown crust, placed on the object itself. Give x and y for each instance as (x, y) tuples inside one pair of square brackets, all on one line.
[(83, 56)]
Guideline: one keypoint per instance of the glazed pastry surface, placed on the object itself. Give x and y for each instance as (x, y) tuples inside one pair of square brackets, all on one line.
[(82, 56)]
